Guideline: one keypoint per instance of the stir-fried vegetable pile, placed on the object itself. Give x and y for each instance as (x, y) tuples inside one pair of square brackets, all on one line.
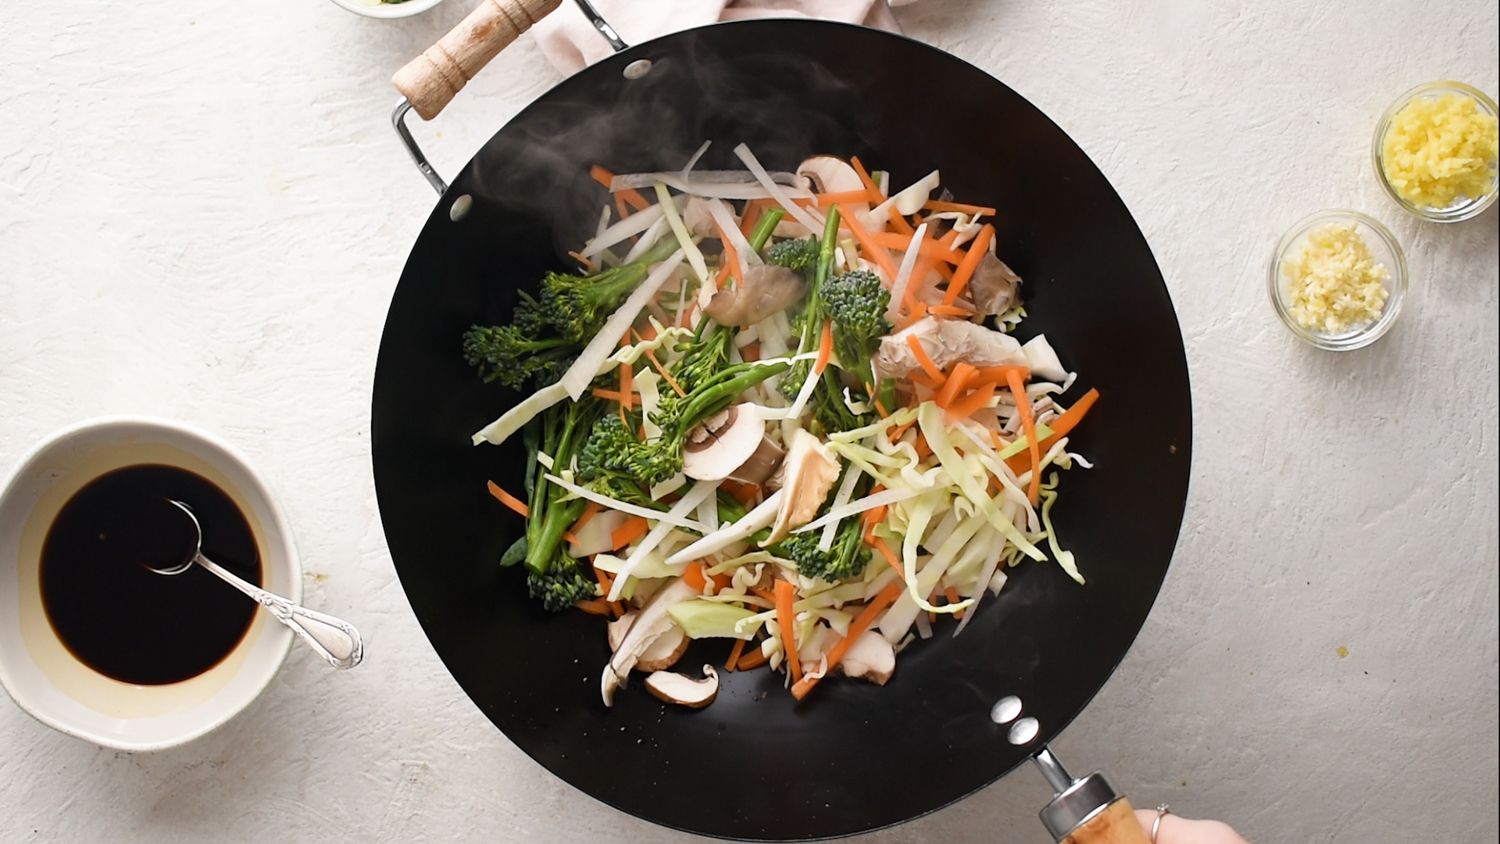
[(782, 409)]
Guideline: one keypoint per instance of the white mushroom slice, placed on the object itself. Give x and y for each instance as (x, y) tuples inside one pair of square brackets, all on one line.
[(791, 228), (665, 651), (650, 623), (871, 658), (1043, 360), (830, 175), (685, 691), (808, 472), (766, 289), (723, 442), (615, 630), (993, 287), (761, 465), (947, 341), (698, 219)]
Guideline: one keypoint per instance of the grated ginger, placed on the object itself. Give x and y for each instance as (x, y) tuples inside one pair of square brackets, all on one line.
[(1439, 150), (1333, 283)]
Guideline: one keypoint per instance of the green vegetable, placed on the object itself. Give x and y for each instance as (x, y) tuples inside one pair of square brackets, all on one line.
[(845, 559), (1021, 443), (809, 320), (856, 303), (614, 456), (562, 585), (800, 255), (515, 553), (678, 415), (552, 576), (508, 354), (1064, 558), (764, 226), (608, 462), (576, 307), (701, 619), (653, 565), (704, 355)]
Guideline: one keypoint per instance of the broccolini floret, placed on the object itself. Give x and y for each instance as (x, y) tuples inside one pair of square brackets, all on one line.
[(562, 584), (678, 415), (800, 255), (610, 460), (510, 355), (576, 306), (856, 303), (845, 559)]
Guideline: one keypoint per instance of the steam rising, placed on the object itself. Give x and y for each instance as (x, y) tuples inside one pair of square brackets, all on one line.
[(786, 106)]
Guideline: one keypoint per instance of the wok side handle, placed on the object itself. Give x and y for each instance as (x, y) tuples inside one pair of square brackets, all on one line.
[(1115, 824), (1086, 810), (430, 81)]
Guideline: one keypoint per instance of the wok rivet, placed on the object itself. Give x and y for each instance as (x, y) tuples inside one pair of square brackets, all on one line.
[(460, 207), (1005, 709), (637, 69), (1024, 731)]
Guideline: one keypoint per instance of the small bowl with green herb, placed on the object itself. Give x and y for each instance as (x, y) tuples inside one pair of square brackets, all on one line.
[(387, 8)]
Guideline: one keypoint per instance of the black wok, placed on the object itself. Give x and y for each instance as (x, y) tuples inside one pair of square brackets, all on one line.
[(853, 757)]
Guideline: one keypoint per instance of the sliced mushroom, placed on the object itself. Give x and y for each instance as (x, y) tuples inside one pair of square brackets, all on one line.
[(993, 287), (615, 630), (947, 341), (650, 623), (791, 228), (762, 463), (1043, 359), (665, 651), (807, 474), (723, 442), (766, 289), (871, 658), (830, 175), (685, 691), (697, 218)]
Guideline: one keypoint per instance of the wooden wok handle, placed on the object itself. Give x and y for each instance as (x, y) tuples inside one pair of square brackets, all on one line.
[(430, 80), (1115, 825)]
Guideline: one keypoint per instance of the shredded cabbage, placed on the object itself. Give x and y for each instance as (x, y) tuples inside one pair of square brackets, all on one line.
[(701, 491), (930, 419), (701, 619), (1064, 558)]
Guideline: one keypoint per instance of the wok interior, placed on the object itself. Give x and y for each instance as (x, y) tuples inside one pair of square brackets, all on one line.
[(853, 756)]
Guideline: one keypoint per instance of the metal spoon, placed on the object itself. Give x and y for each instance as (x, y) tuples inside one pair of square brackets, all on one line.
[(333, 638)]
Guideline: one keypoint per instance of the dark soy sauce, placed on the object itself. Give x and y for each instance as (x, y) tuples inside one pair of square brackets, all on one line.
[(125, 621)]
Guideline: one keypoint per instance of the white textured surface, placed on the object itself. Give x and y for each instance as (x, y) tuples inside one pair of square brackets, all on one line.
[(203, 212)]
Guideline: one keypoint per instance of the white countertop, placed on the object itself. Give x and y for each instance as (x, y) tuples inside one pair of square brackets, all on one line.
[(203, 212)]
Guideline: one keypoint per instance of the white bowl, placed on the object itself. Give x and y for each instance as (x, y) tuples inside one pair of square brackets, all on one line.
[(377, 9), (54, 686)]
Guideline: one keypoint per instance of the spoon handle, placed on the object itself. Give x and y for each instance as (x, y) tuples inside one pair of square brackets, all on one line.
[(333, 638)]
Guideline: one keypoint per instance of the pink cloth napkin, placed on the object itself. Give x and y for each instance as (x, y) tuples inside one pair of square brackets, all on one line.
[(570, 42)]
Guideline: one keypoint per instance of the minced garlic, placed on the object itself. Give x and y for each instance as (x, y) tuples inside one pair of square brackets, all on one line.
[(1333, 283), (1441, 149)]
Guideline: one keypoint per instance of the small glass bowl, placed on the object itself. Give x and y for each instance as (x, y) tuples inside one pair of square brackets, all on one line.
[(1464, 209), (1383, 248)]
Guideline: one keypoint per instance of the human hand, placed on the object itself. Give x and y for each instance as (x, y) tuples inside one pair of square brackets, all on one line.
[(1179, 830)]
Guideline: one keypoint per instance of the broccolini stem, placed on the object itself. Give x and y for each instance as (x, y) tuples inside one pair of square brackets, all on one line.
[(812, 325), (711, 398), (825, 248), (764, 226)]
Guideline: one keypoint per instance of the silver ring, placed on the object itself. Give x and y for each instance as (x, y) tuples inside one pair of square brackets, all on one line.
[(1162, 810)]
